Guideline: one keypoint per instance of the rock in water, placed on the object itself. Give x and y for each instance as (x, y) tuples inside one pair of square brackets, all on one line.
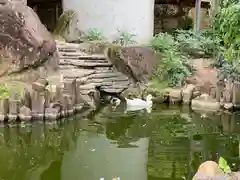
[(136, 62), (24, 40)]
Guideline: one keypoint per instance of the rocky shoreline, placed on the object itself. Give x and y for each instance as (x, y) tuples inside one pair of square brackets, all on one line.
[(66, 92)]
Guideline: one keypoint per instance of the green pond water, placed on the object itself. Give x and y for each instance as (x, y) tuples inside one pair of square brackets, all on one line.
[(169, 143)]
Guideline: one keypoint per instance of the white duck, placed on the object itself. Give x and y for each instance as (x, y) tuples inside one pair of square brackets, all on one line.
[(138, 104)]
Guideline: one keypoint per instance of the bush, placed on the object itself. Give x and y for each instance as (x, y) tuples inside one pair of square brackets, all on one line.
[(94, 34), (204, 44), (176, 66)]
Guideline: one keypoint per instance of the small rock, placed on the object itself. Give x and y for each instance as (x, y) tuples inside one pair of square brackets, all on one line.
[(175, 95), (228, 106), (209, 170), (52, 114), (187, 93), (25, 113), (39, 87), (205, 103)]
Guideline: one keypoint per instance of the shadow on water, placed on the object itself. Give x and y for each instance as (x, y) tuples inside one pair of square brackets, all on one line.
[(169, 143)]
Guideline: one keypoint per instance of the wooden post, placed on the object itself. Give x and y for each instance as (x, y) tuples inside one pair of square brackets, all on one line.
[(198, 15)]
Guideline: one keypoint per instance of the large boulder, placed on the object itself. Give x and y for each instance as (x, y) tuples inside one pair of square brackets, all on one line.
[(205, 103), (205, 77), (209, 170), (66, 28), (24, 41), (136, 62)]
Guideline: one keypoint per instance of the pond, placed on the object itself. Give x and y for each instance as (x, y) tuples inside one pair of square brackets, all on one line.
[(169, 143)]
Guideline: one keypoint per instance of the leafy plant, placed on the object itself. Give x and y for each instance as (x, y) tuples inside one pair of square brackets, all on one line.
[(224, 165), (203, 44), (163, 42), (125, 38), (176, 66), (94, 34), (227, 26)]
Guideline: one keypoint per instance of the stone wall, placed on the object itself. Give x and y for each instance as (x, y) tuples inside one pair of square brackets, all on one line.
[(169, 17), (135, 17)]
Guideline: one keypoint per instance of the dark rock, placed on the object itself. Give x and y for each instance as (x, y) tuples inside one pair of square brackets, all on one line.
[(24, 40), (47, 96), (26, 98)]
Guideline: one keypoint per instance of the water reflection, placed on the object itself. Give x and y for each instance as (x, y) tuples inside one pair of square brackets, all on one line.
[(166, 144)]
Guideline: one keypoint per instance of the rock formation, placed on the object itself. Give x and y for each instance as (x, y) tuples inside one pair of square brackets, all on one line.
[(136, 62), (66, 28), (24, 41)]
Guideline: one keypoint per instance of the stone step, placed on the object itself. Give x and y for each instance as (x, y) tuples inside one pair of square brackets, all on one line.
[(102, 75), (80, 63), (83, 60), (67, 45), (67, 50), (76, 55), (76, 73), (115, 86), (108, 80), (113, 90)]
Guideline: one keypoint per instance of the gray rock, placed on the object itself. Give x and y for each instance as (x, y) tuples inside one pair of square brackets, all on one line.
[(4, 109), (37, 86), (205, 103), (236, 94), (67, 105), (14, 106), (25, 113), (52, 114), (187, 93), (38, 100), (228, 106), (175, 95)]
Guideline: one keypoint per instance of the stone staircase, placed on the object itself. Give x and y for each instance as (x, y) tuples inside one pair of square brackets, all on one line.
[(91, 69), (64, 93)]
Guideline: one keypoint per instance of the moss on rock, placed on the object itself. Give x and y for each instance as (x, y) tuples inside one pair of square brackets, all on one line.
[(7, 91), (63, 24)]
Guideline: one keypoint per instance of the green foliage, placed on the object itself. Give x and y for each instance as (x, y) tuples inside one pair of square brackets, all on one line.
[(7, 92), (126, 38), (4, 92), (224, 165), (176, 66), (94, 35), (163, 42), (227, 27), (203, 44)]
